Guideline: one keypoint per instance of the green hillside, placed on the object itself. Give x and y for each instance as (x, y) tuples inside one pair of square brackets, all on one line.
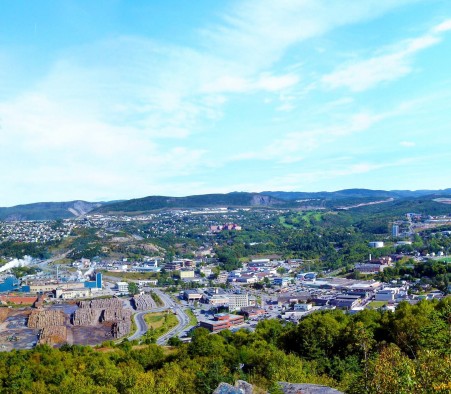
[(47, 210), (198, 201)]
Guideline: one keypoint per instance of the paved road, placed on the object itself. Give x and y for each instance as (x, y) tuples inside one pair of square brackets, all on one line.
[(168, 303), (141, 324), (181, 316)]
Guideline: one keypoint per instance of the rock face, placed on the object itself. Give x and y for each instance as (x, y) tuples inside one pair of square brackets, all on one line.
[(42, 319), (262, 200), (242, 387), (143, 302), (303, 388)]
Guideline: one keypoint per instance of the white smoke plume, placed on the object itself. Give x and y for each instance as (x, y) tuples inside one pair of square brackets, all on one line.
[(90, 270), (27, 260)]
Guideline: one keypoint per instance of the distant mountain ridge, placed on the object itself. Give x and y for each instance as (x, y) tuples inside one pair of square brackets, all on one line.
[(356, 193), (48, 210), (269, 199), (235, 199)]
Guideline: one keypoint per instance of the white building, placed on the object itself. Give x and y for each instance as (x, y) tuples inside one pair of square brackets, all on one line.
[(238, 301), (186, 274), (387, 294), (122, 287), (303, 307), (376, 244)]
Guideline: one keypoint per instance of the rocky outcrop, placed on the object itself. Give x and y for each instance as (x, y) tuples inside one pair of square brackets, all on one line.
[(304, 388), (242, 387)]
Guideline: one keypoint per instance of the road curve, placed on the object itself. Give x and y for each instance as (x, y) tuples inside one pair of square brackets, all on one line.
[(168, 303)]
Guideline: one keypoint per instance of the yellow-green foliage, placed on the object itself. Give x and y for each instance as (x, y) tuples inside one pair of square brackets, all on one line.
[(370, 352)]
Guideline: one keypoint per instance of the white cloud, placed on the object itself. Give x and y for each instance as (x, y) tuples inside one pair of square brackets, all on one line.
[(442, 27), (361, 75), (295, 146), (407, 144), (340, 173), (261, 30), (129, 105)]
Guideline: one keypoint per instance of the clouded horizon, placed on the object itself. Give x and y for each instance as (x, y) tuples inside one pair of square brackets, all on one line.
[(111, 100)]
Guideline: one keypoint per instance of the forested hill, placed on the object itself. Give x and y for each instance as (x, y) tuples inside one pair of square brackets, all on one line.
[(235, 199), (47, 210), (395, 201), (357, 193)]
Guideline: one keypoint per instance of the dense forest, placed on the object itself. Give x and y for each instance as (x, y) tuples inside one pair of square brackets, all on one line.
[(408, 351)]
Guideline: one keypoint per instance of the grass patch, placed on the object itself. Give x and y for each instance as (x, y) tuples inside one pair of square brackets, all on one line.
[(63, 261), (133, 327), (154, 321), (377, 304), (159, 323), (156, 298), (192, 317), (283, 222), (130, 275)]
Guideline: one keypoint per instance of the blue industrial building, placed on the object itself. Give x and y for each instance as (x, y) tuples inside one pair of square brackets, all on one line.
[(95, 284), (10, 283)]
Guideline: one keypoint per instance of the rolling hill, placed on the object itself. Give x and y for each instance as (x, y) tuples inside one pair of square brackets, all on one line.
[(47, 210), (235, 199), (421, 201)]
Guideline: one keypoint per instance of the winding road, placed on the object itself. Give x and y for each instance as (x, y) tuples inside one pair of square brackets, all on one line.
[(168, 304)]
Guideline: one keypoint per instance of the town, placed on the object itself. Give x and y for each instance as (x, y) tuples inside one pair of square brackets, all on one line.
[(187, 262)]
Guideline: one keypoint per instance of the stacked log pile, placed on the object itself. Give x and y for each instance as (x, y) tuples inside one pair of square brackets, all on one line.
[(86, 317), (43, 318), (143, 302), (52, 335), (104, 310), (116, 315), (4, 312), (120, 328), (101, 303)]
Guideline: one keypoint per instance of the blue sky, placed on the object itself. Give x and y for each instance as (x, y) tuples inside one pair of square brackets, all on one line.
[(104, 100)]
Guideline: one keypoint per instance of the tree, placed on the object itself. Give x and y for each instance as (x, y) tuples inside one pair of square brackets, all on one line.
[(133, 288)]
